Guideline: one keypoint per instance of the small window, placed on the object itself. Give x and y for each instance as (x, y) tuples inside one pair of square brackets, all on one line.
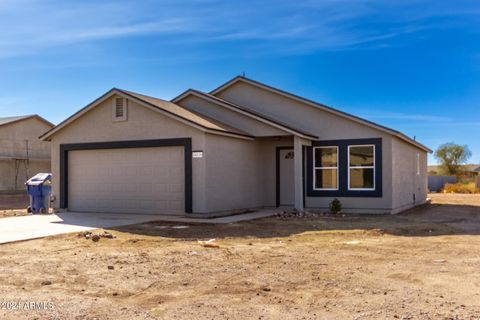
[(290, 155), (325, 168), (361, 167), (119, 109), (418, 164)]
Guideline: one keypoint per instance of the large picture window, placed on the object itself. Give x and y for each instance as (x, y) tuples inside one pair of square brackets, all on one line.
[(361, 167), (325, 168), (344, 168)]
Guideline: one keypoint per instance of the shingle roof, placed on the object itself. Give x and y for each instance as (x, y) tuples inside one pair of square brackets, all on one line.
[(247, 111), (209, 125), (186, 114)]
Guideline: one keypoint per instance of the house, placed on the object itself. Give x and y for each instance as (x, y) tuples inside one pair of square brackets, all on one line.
[(472, 170), (466, 170), (21, 153), (243, 145)]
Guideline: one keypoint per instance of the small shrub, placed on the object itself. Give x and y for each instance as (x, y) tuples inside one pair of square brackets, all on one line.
[(469, 188), (335, 206)]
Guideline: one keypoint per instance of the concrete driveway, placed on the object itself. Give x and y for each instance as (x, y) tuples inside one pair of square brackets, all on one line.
[(38, 226)]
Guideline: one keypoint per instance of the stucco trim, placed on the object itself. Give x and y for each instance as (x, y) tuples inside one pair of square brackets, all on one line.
[(317, 105), (146, 104), (186, 143), (244, 111), (343, 190)]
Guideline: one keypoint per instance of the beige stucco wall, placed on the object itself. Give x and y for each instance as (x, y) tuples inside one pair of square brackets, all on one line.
[(328, 127), (241, 174), (300, 115), (7, 173), (15, 138), (233, 174), (406, 181), (230, 117), (97, 125)]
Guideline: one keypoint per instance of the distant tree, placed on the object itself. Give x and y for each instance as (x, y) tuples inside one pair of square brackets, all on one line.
[(452, 156)]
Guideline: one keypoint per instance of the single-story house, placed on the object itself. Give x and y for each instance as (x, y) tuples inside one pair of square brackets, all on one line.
[(22, 155), (244, 145)]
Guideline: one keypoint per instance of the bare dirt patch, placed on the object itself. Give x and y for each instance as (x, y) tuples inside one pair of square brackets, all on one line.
[(452, 198), (417, 265)]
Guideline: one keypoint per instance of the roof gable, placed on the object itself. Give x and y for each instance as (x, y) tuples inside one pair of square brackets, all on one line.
[(11, 120), (245, 111), (320, 106), (165, 107)]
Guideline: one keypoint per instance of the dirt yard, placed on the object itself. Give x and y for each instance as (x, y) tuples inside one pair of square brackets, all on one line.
[(424, 264)]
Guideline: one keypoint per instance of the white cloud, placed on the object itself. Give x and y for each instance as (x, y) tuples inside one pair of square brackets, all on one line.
[(33, 27)]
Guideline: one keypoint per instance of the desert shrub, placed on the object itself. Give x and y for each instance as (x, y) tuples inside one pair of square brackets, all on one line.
[(335, 206), (468, 187)]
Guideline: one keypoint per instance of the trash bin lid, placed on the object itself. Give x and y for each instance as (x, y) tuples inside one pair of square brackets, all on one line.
[(38, 179)]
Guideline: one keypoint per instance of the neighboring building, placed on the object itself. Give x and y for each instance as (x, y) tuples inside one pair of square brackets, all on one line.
[(467, 170), (244, 145), (472, 170), (22, 154)]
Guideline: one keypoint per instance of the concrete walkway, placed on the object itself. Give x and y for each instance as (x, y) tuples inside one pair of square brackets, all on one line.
[(39, 226)]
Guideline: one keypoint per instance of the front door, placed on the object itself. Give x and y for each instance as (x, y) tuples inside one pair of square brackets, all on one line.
[(286, 177)]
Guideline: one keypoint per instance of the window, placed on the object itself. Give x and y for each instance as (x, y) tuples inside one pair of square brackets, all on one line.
[(361, 167), (119, 109), (346, 168), (418, 164), (325, 168)]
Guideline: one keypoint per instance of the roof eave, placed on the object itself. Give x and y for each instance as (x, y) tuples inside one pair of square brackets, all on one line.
[(33, 116), (47, 135), (242, 111)]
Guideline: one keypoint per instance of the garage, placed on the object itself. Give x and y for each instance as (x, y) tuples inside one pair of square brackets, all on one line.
[(144, 176), (140, 180)]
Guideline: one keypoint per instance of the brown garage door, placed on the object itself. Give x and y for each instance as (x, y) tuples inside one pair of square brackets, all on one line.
[(137, 180)]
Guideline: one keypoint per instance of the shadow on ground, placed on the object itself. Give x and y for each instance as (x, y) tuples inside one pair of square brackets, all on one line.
[(426, 221)]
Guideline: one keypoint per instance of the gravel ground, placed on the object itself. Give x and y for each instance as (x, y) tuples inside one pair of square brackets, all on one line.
[(422, 264)]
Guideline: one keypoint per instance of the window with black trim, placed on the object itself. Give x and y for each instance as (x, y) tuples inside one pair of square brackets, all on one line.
[(361, 167), (325, 168), (344, 168)]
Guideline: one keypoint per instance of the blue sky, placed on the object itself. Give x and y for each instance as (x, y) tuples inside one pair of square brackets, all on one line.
[(410, 65)]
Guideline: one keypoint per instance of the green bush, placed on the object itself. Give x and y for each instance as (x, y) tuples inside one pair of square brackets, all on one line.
[(335, 206)]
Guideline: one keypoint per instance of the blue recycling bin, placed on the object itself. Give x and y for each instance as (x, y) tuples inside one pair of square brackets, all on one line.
[(39, 188)]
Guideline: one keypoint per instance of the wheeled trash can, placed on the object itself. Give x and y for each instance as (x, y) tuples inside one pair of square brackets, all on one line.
[(39, 188)]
